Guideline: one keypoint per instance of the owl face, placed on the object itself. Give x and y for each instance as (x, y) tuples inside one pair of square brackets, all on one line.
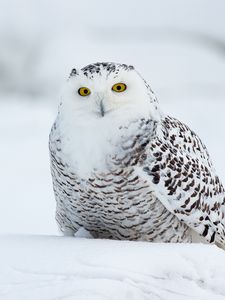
[(105, 91)]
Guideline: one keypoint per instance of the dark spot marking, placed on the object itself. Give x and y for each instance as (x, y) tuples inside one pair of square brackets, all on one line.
[(205, 232)]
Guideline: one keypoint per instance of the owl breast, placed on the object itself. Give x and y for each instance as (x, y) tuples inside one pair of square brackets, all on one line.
[(115, 201), (117, 205)]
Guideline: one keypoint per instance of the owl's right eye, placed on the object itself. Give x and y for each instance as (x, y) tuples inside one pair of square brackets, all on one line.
[(84, 91)]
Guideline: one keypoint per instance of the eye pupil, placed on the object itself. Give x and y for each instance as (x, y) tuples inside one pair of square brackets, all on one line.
[(85, 91), (118, 87)]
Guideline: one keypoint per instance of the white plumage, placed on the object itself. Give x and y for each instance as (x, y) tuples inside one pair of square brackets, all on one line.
[(122, 169)]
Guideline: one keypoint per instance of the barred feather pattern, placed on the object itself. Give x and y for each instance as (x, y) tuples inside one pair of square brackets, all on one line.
[(158, 186), (185, 180)]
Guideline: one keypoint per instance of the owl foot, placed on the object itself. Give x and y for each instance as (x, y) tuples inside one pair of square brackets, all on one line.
[(83, 233)]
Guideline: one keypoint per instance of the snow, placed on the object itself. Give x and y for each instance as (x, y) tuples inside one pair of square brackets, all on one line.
[(26, 187), (53, 267), (178, 47), (48, 267)]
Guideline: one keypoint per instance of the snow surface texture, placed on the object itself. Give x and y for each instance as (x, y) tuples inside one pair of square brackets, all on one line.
[(44, 268)]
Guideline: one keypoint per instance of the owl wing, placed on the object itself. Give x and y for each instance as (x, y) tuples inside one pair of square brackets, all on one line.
[(63, 182), (180, 171)]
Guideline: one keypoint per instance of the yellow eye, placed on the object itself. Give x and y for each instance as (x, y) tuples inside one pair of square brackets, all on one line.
[(119, 87), (84, 91)]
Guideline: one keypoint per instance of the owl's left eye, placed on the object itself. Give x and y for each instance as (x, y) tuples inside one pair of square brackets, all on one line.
[(84, 91), (119, 87)]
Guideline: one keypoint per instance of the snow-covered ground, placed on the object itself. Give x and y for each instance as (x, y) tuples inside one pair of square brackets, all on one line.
[(56, 268), (178, 46), (27, 202), (50, 267)]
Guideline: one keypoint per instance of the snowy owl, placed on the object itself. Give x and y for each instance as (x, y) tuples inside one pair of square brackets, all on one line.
[(122, 169)]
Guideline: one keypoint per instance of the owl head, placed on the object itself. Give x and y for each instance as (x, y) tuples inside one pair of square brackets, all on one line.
[(103, 92)]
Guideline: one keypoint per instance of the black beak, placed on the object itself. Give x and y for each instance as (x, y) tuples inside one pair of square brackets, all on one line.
[(102, 111)]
